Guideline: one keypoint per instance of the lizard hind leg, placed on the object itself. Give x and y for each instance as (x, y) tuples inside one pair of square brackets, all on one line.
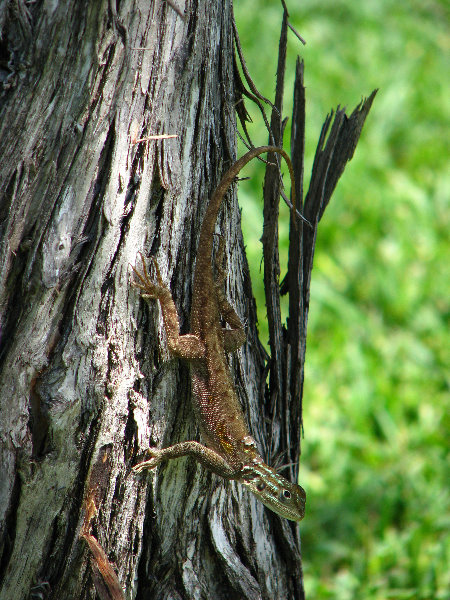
[(235, 337)]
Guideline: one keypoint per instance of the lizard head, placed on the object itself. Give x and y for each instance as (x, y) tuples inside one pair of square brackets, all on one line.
[(275, 491)]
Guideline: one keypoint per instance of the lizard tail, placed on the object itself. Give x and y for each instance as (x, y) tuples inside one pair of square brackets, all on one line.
[(209, 220)]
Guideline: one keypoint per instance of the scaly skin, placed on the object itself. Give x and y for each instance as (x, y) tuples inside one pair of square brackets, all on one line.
[(230, 451)]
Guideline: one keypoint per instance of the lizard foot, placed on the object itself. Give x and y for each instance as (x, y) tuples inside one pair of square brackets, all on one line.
[(149, 290), (151, 463)]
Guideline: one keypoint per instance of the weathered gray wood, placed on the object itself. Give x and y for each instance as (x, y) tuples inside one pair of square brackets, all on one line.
[(83, 363)]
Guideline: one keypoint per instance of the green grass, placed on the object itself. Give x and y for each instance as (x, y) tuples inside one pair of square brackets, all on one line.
[(376, 402)]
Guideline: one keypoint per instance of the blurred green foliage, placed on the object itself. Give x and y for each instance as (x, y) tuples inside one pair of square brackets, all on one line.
[(376, 401)]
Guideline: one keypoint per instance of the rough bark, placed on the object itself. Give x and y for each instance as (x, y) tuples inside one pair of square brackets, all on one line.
[(84, 371)]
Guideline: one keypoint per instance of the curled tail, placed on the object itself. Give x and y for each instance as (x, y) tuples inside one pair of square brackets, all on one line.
[(209, 220)]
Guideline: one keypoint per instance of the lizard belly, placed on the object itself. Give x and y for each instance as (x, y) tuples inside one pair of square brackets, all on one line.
[(220, 414)]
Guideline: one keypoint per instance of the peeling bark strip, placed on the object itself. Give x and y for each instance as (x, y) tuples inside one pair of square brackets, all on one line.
[(105, 580), (103, 574), (83, 365)]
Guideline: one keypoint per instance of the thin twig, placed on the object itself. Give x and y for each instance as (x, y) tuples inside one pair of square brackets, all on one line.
[(303, 41), (162, 136), (254, 99), (247, 76), (290, 26), (246, 143), (179, 12), (297, 212)]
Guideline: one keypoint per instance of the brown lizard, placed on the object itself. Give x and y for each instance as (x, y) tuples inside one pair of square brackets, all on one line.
[(230, 451)]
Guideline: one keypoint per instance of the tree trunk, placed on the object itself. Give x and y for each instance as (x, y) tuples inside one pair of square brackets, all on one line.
[(86, 382)]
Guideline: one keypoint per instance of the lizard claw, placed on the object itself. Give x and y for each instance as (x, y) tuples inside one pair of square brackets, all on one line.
[(148, 289), (150, 463)]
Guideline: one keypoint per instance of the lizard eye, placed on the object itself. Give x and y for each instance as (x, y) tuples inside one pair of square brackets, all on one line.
[(260, 486), (287, 494)]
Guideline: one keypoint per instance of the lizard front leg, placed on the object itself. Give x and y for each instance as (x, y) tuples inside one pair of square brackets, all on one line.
[(184, 346), (210, 459)]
